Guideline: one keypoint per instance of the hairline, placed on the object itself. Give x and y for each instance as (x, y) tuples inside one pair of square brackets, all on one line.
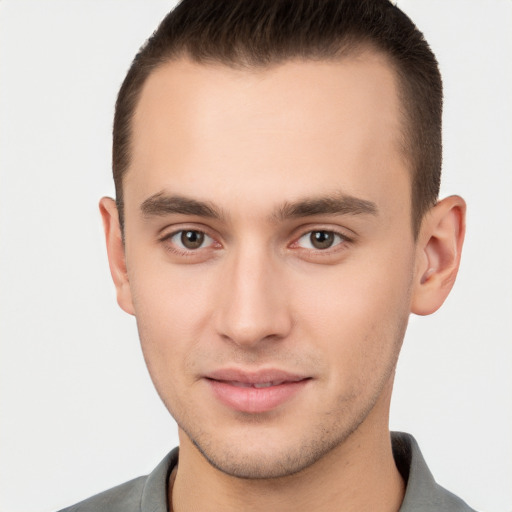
[(350, 46)]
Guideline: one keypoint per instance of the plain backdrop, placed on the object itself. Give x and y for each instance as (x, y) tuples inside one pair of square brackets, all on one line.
[(78, 413)]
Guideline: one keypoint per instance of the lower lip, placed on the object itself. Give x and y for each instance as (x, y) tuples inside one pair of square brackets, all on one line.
[(255, 400)]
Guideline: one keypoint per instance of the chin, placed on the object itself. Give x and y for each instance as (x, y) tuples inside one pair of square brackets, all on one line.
[(258, 465), (265, 459)]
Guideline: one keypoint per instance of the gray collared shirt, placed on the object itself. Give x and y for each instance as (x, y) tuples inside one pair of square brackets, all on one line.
[(149, 493)]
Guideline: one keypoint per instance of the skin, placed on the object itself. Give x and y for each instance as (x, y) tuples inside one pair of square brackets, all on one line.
[(257, 294)]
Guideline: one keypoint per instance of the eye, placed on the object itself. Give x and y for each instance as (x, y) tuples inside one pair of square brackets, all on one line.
[(320, 240), (191, 239)]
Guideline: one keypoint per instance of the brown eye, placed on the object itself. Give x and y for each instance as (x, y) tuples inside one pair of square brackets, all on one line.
[(192, 239), (322, 239), (190, 242)]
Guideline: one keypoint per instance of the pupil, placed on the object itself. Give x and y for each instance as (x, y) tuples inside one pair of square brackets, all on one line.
[(192, 239), (322, 239)]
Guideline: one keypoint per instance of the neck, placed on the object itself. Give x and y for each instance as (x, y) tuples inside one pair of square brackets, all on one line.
[(360, 474)]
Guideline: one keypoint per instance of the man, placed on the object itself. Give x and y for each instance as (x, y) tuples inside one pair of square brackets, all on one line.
[(276, 221)]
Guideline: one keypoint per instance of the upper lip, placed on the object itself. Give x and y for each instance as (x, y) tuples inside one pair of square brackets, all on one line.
[(254, 377)]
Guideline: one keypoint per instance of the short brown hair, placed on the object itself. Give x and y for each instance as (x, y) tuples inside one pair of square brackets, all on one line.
[(264, 32)]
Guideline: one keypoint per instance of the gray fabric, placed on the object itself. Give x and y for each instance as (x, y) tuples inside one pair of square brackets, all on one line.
[(149, 493), (422, 493), (143, 494)]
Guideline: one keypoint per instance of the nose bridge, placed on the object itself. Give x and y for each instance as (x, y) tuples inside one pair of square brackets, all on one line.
[(252, 306)]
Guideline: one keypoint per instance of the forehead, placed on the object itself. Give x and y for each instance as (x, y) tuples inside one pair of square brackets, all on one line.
[(212, 129)]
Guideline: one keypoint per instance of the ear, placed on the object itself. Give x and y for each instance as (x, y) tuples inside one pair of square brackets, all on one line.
[(116, 253), (438, 254)]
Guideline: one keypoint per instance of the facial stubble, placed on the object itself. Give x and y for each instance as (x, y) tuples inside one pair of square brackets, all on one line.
[(331, 433)]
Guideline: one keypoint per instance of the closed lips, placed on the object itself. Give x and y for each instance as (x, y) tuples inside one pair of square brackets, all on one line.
[(255, 392), (258, 384), (261, 378)]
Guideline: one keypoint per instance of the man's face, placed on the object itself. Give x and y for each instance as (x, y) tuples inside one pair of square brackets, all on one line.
[(270, 255)]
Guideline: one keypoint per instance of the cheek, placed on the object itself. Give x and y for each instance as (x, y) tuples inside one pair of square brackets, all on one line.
[(172, 307), (357, 313)]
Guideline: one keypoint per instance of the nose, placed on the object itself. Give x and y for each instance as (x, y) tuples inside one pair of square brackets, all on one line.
[(253, 306)]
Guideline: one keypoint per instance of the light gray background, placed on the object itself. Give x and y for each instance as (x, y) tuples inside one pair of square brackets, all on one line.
[(78, 411)]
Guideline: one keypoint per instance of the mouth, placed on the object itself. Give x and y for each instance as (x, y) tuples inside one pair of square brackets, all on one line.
[(256, 385), (255, 392)]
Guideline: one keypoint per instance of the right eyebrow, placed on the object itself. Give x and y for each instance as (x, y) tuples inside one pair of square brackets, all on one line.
[(161, 204)]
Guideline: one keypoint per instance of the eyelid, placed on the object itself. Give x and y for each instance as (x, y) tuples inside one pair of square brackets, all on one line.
[(185, 225), (171, 230)]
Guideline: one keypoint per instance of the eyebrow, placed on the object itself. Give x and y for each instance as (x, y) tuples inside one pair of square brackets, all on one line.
[(161, 204), (337, 204)]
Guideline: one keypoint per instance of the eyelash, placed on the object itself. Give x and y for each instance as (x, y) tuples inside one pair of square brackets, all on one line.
[(336, 247)]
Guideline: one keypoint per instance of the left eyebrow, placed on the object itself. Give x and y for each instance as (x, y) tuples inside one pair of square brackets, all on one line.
[(338, 204)]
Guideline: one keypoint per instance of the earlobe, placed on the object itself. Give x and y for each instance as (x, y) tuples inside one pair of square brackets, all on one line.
[(116, 253), (438, 254)]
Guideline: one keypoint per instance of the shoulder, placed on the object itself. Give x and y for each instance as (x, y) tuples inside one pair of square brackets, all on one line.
[(125, 497), (452, 503), (423, 493), (142, 494)]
